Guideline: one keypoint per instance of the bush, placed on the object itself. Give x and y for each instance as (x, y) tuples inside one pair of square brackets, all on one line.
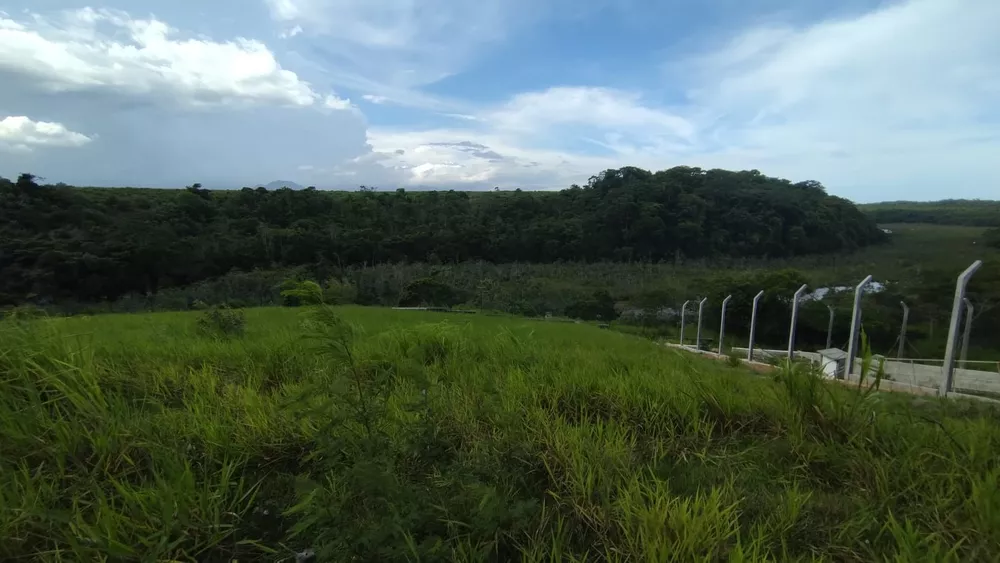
[(221, 322), (429, 292), (23, 312), (338, 292), (600, 306), (735, 360)]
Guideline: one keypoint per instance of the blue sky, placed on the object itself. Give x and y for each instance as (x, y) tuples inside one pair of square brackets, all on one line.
[(878, 100)]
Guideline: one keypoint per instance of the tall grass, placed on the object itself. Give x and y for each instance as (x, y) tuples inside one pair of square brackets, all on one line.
[(374, 435)]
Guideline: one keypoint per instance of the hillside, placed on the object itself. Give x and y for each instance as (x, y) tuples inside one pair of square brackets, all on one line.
[(966, 212), (391, 436), (60, 243)]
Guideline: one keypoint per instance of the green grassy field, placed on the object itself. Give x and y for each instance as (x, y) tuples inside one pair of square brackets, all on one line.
[(915, 247), (984, 213), (433, 437)]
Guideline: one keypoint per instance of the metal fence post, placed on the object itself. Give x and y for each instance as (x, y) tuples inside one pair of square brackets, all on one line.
[(722, 323), (902, 331), (969, 309), (948, 369), (852, 343), (753, 325), (795, 320), (683, 312), (701, 308), (829, 330)]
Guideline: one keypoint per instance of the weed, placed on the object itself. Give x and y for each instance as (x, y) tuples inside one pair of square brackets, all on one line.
[(734, 360), (22, 313), (222, 322), (361, 434)]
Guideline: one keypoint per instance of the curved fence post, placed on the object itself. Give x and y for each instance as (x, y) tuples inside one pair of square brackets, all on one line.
[(753, 325), (701, 308), (948, 369), (969, 309), (722, 323), (795, 321), (683, 312), (852, 343), (902, 330), (829, 329)]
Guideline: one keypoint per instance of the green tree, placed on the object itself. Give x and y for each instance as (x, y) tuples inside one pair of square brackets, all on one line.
[(60, 243), (429, 292)]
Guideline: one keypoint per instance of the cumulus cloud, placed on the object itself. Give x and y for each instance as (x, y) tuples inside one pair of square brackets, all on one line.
[(106, 50), (879, 104), (897, 99), (334, 102), (464, 158), (894, 99), (21, 133), (168, 107), (533, 139)]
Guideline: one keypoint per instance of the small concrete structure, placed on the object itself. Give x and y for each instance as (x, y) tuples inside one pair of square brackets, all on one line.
[(832, 362)]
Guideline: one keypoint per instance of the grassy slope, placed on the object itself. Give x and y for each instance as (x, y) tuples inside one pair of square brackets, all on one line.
[(984, 213), (134, 438), (912, 247), (915, 246)]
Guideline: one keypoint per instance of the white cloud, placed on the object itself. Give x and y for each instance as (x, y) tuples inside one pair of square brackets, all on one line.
[(336, 103), (892, 99), (393, 47), (526, 141), (599, 108), (456, 158), (881, 105), (87, 49), (291, 32), (134, 83), (392, 24), (285, 10), (899, 99), (21, 133)]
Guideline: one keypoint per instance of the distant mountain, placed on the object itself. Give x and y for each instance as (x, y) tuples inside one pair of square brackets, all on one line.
[(278, 184)]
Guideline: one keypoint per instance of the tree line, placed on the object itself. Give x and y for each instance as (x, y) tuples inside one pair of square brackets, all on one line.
[(60, 242), (966, 212)]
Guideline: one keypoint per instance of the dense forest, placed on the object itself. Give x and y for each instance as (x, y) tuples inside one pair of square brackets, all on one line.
[(968, 212), (99, 244)]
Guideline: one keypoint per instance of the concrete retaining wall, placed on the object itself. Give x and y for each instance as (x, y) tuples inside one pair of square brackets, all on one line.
[(930, 376)]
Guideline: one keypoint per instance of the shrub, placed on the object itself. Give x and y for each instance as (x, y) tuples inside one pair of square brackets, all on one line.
[(23, 312), (338, 292), (734, 359), (221, 322), (430, 292), (600, 306)]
